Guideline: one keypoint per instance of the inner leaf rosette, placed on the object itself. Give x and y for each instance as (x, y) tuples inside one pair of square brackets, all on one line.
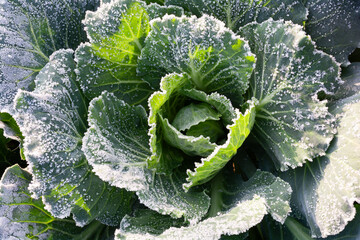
[(189, 123), (213, 57)]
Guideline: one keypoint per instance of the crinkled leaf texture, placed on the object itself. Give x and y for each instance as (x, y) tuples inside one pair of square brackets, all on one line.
[(237, 13), (176, 86), (117, 32), (335, 26), (30, 31), (213, 56), (23, 217), (212, 164), (52, 119), (294, 230), (325, 191), (117, 146), (291, 123), (248, 203)]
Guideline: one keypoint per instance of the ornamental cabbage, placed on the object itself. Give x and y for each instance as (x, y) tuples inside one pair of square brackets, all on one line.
[(179, 119)]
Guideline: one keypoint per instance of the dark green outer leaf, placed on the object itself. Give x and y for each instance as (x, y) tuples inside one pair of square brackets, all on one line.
[(325, 190), (213, 57), (335, 26), (291, 123), (294, 230), (30, 31), (52, 119), (243, 205), (237, 13), (351, 77), (23, 217)]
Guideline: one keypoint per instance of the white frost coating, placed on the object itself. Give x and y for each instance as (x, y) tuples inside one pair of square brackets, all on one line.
[(52, 120), (290, 72), (338, 186), (29, 32), (238, 220), (11, 197), (203, 48), (116, 145)]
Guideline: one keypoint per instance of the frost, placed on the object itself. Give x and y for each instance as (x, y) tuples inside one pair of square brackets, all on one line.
[(29, 33), (240, 12), (110, 60), (290, 72), (246, 204), (118, 149), (52, 119), (335, 27), (239, 219), (211, 55)]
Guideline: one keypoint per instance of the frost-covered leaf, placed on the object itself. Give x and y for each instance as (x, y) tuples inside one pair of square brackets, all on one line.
[(325, 190), (351, 77), (165, 194), (176, 91), (30, 31), (212, 56), (239, 219), (117, 146), (246, 203), (237, 13), (145, 220), (117, 32), (291, 123), (212, 164), (335, 26), (164, 157), (294, 230), (23, 217), (52, 119)]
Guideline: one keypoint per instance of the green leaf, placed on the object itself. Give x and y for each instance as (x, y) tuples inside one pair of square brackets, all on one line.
[(291, 123), (238, 13), (116, 145), (9, 152), (164, 157), (117, 32), (165, 194), (30, 31), (10, 127), (213, 57), (192, 146), (194, 114), (145, 220), (351, 77), (325, 190), (52, 119), (335, 26), (239, 219), (247, 202), (211, 165), (294, 230), (23, 217), (210, 128)]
